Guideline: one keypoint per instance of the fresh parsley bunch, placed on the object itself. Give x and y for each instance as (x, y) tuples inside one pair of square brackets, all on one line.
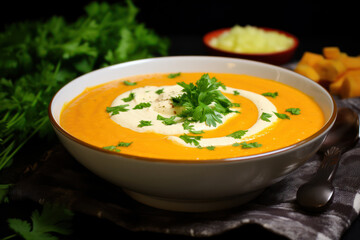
[(38, 58), (203, 101)]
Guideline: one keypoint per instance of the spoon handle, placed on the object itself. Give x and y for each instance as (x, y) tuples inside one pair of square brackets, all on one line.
[(329, 163)]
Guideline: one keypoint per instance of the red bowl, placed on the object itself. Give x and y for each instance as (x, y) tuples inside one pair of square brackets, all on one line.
[(276, 58)]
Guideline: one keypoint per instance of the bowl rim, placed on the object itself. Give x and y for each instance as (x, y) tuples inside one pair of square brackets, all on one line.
[(215, 33), (248, 158)]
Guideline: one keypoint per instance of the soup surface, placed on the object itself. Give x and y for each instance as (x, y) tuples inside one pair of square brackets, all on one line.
[(187, 116)]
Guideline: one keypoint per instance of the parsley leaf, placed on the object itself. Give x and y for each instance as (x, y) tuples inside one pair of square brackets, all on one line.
[(127, 83), (212, 148), (293, 111), (236, 93), (144, 123), (191, 139), (250, 145), (186, 125), (111, 148), (160, 91), (270, 94), (237, 134), (52, 219), (282, 115), (124, 144), (129, 98), (203, 102), (142, 105), (174, 75), (265, 116), (166, 121), (116, 109)]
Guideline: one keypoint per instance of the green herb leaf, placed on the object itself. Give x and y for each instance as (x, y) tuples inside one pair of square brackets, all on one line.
[(144, 123), (203, 102), (270, 94), (293, 111), (212, 148), (117, 109), (237, 134), (236, 93), (52, 219), (160, 91), (235, 104), (250, 145), (127, 83), (166, 121), (174, 75), (191, 139), (124, 144), (236, 144), (282, 115), (142, 105), (186, 125), (112, 148), (129, 98), (265, 116)]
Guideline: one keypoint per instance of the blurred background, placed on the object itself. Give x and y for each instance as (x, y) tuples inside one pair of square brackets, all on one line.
[(315, 23)]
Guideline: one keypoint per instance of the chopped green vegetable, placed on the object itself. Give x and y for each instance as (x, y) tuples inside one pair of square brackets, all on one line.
[(142, 105), (235, 104), (191, 139), (236, 144), (38, 57), (124, 144), (250, 145), (236, 93), (186, 125), (52, 220), (166, 121), (196, 101), (270, 94), (212, 148), (116, 109), (174, 75), (160, 91), (112, 148), (282, 115), (144, 123), (129, 98), (293, 111), (265, 116), (237, 134), (127, 83)]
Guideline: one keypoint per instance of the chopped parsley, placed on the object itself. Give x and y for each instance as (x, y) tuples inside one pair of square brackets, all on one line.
[(212, 148), (160, 91), (174, 75), (142, 105), (282, 115), (197, 98), (124, 144), (191, 139), (129, 98), (235, 104), (236, 93), (112, 148), (127, 83), (116, 109), (265, 116), (293, 111), (237, 134), (144, 123), (166, 121), (186, 125), (250, 145), (270, 94)]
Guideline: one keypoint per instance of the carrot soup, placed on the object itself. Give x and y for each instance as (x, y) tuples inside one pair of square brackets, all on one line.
[(187, 116)]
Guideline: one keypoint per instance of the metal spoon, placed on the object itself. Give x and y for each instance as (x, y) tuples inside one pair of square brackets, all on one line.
[(316, 194)]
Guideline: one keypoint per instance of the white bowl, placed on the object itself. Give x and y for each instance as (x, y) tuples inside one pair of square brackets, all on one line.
[(193, 186)]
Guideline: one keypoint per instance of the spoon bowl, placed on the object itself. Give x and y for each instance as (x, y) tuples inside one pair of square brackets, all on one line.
[(316, 194)]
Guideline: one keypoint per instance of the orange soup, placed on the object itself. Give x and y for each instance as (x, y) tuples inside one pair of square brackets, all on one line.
[(191, 116)]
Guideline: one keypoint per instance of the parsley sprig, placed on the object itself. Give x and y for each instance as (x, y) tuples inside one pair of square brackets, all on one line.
[(203, 101)]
